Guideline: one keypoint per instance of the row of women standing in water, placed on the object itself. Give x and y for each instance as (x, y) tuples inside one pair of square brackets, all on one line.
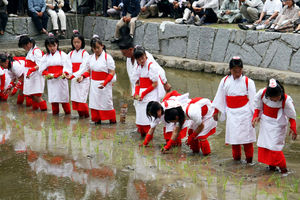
[(236, 98)]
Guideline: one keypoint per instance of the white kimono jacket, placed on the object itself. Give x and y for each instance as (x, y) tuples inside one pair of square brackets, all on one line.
[(7, 77), (272, 131), (79, 91), (239, 129), (35, 84), (58, 89)]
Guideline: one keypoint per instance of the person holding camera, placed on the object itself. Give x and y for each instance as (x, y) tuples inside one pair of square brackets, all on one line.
[(54, 9), (229, 12)]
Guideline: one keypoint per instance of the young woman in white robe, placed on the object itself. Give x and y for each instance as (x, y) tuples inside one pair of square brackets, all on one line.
[(79, 90), (34, 82), (55, 65), (101, 66), (146, 78), (4, 82), (200, 113), (274, 109), (235, 98)]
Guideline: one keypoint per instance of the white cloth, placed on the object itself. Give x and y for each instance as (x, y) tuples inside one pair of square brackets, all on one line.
[(100, 99), (239, 129), (213, 4), (272, 132), (17, 69), (7, 77), (62, 18), (272, 6), (195, 115), (79, 91), (35, 84), (58, 89)]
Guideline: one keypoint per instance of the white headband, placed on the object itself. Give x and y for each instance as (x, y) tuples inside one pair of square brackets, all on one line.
[(272, 83), (95, 35)]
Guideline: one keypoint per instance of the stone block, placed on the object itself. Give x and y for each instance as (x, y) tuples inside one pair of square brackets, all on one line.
[(151, 37), (193, 42), (240, 37), (10, 26), (232, 50), (261, 48), (295, 62), (110, 29), (100, 26), (88, 26), (206, 43), (281, 59), (177, 47), (20, 26), (267, 36), (250, 56), (164, 46), (270, 53), (252, 37), (139, 35), (173, 30), (291, 39), (220, 45), (232, 35), (72, 24)]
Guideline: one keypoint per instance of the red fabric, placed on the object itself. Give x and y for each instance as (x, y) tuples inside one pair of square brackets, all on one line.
[(171, 94), (98, 115), (55, 108), (11, 85), (269, 111), (193, 144), (216, 111), (169, 144), (168, 135), (99, 76), (191, 138), (35, 105), (145, 82), (147, 139), (20, 99), (255, 114), (30, 70), (236, 101), (273, 158), (56, 75), (36, 95), (55, 69), (75, 67), (147, 91), (293, 125), (28, 101), (137, 90), (3, 97), (17, 87), (143, 129), (86, 74), (248, 148), (71, 77), (30, 64), (45, 73), (236, 152), (204, 108), (108, 78), (211, 132), (205, 147), (43, 105), (80, 106), (2, 82), (67, 108)]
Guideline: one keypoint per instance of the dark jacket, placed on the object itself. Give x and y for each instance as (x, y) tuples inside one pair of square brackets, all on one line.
[(131, 6)]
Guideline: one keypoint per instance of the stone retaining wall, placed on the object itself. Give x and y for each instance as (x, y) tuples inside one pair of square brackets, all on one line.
[(256, 48)]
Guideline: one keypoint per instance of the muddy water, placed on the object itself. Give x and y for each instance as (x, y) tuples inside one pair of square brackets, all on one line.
[(63, 157)]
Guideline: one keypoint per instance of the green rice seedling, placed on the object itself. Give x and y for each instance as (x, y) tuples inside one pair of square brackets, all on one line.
[(295, 185), (241, 183), (106, 155), (209, 177), (225, 181), (285, 195)]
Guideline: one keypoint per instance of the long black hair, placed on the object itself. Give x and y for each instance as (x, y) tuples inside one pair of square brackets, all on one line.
[(235, 61), (139, 51), (152, 108), (51, 40), (275, 91), (172, 113), (96, 39), (76, 34), (24, 40), (4, 57)]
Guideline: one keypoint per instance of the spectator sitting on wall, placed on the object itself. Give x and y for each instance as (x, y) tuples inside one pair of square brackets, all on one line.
[(286, 18), (268, 15), (250, 9), (12, 8), (54, 9), (148, 8), (116, 10), (165, 8), (229, 12), (36, 10), (130, 12), (3, 16), (178, 8)]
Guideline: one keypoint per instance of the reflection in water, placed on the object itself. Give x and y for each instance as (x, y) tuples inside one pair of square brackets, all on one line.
[(63, 157)]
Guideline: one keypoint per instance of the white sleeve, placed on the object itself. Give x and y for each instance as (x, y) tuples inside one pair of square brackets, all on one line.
[(195, 114), (155, 122), (153, 72), (289, 108), (110, 63), (66, 62), (258, 103), (219, 101), (251, 93), (85, 66), (18, 68), (44, 64), (2, 72), (38, 57), (136, 73)]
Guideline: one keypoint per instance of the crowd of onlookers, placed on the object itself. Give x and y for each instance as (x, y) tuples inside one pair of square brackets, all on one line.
[(272, 15)]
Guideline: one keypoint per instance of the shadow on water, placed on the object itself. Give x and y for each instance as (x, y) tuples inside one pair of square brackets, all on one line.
[(63, 157)]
